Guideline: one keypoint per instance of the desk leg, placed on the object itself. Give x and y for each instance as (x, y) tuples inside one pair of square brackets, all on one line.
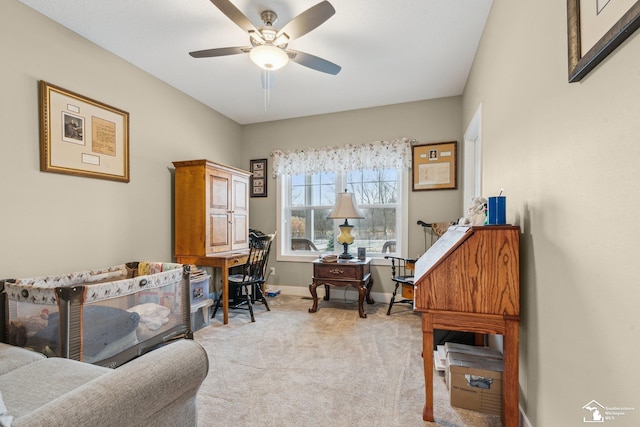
[(314, 295), (510, 382), (362, 290), (427, 361), (368, 294), (225, 293)]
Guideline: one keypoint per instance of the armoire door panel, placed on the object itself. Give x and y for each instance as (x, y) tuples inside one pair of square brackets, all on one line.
[(218, 231), (240, 191), (219, 196), (240, 236)]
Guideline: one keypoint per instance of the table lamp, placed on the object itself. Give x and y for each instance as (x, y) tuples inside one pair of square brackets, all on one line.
[(346, 208)]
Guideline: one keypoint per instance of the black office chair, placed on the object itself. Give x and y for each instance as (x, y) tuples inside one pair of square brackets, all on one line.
[(246, 287), (402, 275)]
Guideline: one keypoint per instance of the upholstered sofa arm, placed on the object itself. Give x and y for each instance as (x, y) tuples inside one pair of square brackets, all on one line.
[(156, 389)]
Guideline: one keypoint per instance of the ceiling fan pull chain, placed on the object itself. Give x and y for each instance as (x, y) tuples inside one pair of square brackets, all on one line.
[(266, 84)]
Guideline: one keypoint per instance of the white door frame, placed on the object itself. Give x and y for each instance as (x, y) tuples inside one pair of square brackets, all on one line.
[(473, 159)]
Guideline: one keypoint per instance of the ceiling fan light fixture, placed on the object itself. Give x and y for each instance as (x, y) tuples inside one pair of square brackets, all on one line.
[(282, 39), (268, 57), (268, 33), (256, 38)]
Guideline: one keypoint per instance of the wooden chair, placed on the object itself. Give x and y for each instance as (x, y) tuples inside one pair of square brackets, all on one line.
[(246, 287), (402, 275)]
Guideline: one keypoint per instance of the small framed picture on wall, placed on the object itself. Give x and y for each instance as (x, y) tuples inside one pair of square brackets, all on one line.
[(434, 166), (258, 182)]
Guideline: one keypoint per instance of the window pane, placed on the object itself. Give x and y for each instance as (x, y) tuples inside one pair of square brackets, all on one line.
[(378, 227), (297, 196), (298, 179), (355, 175), (373, 187), (313, 190), (311, 230)]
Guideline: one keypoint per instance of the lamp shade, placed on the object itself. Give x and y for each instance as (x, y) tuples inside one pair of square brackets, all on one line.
[(268, 57), (345, 207)]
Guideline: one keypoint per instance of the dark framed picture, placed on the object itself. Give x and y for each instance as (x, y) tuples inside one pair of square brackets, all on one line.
[(434, 166), (595, 30), (258, 182), (82, 137)]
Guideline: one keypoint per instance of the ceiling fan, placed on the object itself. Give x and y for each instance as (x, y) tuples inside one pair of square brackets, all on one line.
[(269, 46)]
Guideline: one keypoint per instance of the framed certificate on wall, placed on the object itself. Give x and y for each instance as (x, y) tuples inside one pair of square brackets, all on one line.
[(434, 166)]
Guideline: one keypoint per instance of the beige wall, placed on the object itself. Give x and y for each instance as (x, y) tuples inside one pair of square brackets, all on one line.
[(567, 156), (426, 121), (54, 223)]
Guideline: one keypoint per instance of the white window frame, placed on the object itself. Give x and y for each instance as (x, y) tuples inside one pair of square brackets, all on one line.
[(284, 252)]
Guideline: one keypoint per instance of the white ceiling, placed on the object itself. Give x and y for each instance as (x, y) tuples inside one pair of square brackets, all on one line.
[(390, 51)]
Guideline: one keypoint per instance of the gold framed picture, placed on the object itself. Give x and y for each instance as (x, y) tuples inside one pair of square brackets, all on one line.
[(434, 166), (83, 137), (258, 178), (595, 30)]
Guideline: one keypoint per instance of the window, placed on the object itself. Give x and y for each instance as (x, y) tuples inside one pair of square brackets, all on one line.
[(311, 198), (305, 201), (309, 180)]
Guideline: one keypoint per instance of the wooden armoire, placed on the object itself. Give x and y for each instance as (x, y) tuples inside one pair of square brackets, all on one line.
[(211, 208)]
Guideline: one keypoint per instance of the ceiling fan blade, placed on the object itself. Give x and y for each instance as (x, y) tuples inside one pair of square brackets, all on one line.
[(234, 14), (221, 51), (314, 62), (307, 20)]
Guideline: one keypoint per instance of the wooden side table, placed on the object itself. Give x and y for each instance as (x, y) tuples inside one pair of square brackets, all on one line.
[(353, 273)]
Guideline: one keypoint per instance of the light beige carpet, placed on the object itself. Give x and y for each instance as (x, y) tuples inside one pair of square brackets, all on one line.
[(330, 368)]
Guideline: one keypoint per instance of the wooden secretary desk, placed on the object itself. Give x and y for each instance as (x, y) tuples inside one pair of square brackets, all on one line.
[(469, 280), (212, 218)]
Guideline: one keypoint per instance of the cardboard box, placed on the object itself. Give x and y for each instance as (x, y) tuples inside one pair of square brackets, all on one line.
[(475, 382), (472, 350), (465, 359), (440, 359)]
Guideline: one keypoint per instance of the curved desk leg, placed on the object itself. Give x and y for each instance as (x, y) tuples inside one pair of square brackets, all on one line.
[(361, 294), (368, 294), (314, 295)]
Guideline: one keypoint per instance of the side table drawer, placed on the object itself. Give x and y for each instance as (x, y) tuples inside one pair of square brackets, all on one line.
[(344, 271)]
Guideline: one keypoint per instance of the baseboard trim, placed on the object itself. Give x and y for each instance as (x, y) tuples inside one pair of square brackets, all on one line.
[(524, 421), (348, 293)]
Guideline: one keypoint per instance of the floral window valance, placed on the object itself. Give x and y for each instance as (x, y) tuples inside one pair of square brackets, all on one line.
[(395, 154)]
